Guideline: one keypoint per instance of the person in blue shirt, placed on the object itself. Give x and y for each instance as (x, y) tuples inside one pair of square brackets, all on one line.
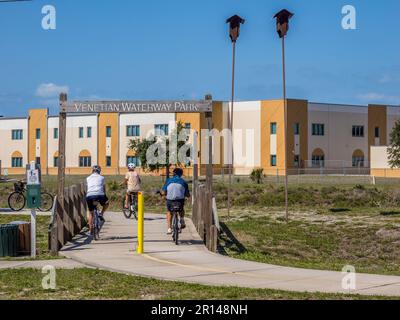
[(176, 189)]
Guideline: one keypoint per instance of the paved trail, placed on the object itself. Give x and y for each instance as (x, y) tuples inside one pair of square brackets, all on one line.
[(191, 262)]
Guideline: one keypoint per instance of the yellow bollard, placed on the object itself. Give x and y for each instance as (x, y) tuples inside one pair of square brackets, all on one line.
[(140, 223)]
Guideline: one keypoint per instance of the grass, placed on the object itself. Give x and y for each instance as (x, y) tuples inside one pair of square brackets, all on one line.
[(367, 239), (91, 284), (342, 221)]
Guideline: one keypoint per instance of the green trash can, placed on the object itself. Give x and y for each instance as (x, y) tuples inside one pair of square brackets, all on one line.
[(8, 240)]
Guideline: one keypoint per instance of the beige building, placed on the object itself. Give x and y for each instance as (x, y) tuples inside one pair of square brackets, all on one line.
[(327, 138)]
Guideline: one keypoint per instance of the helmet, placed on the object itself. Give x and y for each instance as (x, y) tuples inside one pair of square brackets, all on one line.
[(96, 169), (131, 166), (178, 172)]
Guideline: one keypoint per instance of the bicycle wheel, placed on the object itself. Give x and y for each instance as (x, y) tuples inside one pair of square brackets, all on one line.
[(47, 202), (16, 201), (96, 225), (175, 224), (127, 212)]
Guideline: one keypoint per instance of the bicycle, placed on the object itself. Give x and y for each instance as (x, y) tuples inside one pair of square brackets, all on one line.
[(133, 206), (96, 221), (17, 199), (176, 211)]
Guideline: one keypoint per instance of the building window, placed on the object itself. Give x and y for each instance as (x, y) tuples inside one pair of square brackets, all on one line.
[(358, 161), (161, 129), (134, 160), (318, 129), (108, 161), (297, 161), (55, 133), (85, 162), (296, 129), (89, 132), (16, 162), (37, 134), (108, 132), (17, 135), (55, 162), (377, 132), (358, 131), (37, 160), (273, 161), (273, 127), (133, 131), (318, 161), (81, 132)]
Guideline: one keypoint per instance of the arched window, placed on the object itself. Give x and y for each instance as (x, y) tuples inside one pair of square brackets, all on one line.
[(318, 158), (358, 159), (85, 159), (16, 159)]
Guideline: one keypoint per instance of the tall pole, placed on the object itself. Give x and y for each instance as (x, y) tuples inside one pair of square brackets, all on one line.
[(234, 31), (230, 126), (282, 27), (285, 130)]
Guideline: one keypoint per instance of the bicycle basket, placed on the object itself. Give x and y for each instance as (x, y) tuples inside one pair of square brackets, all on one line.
[(18, 187)]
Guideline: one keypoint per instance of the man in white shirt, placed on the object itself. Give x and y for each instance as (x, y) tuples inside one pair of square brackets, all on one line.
[(96, 192)]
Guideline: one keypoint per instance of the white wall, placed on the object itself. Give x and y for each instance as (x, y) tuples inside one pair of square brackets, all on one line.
[(8, 146), (379, 158), (246, 135), (338, 143), (74, 144), (146, 123)]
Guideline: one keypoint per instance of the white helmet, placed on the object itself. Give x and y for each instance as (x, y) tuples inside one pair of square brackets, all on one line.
[(131, 166)]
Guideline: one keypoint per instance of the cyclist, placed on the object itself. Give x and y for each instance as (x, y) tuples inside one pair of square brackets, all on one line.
[(176, 189), (96, 192), (132, 182)]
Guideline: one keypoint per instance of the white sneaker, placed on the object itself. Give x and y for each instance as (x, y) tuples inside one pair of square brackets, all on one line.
[(169, 231)]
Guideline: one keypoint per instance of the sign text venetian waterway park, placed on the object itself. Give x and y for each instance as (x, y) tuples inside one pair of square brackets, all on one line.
[(173, 106)]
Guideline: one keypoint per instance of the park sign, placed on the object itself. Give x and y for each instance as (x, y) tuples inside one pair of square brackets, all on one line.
[(168, 106)]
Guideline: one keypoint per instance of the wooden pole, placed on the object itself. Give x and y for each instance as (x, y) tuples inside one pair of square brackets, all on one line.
[(61, 148)]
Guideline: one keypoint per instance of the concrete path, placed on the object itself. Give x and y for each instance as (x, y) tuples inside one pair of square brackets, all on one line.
[(39, 264), (191, 262)]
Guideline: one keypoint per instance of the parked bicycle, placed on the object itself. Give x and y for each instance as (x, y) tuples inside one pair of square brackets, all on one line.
[(17, 199), (133, 206)]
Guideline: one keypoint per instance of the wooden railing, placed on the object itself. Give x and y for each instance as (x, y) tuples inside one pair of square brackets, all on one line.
[(204, 215), (69, 218)]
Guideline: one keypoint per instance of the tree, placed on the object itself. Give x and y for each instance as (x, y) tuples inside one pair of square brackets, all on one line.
[(159, 152), (394, 148), (257, 175)]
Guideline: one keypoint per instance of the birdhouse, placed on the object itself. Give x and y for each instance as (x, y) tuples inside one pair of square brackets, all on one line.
[(282, 22), (234, 27)]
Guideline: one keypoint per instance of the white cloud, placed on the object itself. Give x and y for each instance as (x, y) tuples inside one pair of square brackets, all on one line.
[(379, 98), (50, 90)]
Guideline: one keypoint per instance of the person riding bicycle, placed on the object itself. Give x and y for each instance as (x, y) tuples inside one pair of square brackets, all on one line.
[(96, 192), (132, 182), (176, 189)]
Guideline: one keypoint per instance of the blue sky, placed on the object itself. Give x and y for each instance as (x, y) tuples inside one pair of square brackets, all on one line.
[(157, 49)]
